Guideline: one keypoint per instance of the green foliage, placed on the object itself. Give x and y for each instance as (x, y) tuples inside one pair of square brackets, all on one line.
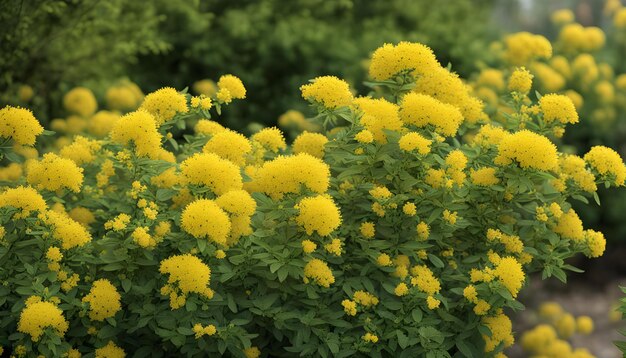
[(275, 46), (53, 45)]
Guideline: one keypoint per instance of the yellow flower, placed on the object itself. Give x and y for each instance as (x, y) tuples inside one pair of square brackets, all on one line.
[(39, 315), (234, 86), (364, 137), (271, 138), (310, 143), (53, 173), (383, 260), (607, 162), (566, 326), (329, 91), (308, 246), (529, 149), (164, 103), (377, 116), (401, 290), (20, 125), (470, 293), (319, 214), (432, 302), (368, 230), (64, 229), (349, 307), (390, 60), (484, 176), (425, 280), (103, 299), (205, 87), (521, 80), (252, 352), (318, 271), (409, 209), (369, 337), (208, 169), (584, 324), (334, 247), (205, 126), (110, 351), (412, 141), (204, 218), (422, 110), (423, 231), (54, 254), (491, 77), (237, 202), (510, 274), (26, 199), (365, 298), (81, 101), (140, 128), (229, 145), (557, 107), (522, 47), (191, 275), (570, 226), (595, 243), (287, 174), (500, 327)]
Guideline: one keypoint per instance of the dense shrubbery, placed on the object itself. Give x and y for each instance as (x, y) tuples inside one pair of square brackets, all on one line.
[(274, 46), (407, 226), (586, 66)]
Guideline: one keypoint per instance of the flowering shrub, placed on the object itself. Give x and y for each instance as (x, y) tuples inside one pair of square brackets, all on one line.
[(406, 227), (584, 64)]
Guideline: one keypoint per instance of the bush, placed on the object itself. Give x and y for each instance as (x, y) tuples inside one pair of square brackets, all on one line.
[(407, 228), (274, 46), (583, 64)]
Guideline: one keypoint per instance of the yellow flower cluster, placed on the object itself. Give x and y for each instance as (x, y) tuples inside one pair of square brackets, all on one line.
[(319, 272), (201, 331), (20, 125), (318, 214), (570, 226), (378, 115), (229, 145), (368, 230), (365, 299), (270, 138), (219, 175), (124, 97), (510, 274), (82, 150), (559, 108), (310, 143), (164, 104), (67, 231), (110, 350), (103, 299), (230, 86), (500, 327), (529, 149), (329, 91), (574, 38), (389, 60), (205, 219), (484, 176), (412, 141), (26, 199), (608, 163), (287, 174), (522, 47), (187, 274), (421, 110), (574, 167), (81, 101), (39, 315), (140, 128), (54, 173)]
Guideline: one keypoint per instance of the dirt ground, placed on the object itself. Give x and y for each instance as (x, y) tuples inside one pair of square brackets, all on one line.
[(593, 293)]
